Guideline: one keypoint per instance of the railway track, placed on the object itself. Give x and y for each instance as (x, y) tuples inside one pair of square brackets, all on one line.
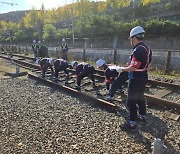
[(157, 92)]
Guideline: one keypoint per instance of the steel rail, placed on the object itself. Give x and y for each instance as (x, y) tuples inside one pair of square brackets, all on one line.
[(76, 93), (151, 99), (82, 95), (100, 74)]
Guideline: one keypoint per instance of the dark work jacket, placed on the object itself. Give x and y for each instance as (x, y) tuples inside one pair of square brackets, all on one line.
[(61, 64), (110, 74), (139, 60), (81, 67)]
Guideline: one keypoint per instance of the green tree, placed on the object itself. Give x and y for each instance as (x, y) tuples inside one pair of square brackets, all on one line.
[(119, 3), (146, 2), (61, 33), (49, 32), (19, 36)]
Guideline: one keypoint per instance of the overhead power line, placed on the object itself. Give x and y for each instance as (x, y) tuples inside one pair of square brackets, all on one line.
[(12, 4)]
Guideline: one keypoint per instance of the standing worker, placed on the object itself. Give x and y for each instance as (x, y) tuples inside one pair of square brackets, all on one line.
[(34, 48), (64, 49), (112, 76), (42, 50), (83, 70), (137, 72), (38, 48), (61, 65)]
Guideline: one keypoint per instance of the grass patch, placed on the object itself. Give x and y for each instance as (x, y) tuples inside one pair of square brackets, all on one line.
[(6, 66), (4, 69), (160, 73)]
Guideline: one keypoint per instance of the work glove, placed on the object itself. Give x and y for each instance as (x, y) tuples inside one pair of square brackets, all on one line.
[(107, 92), (120, 69), (117, 68)]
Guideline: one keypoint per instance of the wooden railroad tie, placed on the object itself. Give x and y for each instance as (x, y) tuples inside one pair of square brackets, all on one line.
[(162, 93)]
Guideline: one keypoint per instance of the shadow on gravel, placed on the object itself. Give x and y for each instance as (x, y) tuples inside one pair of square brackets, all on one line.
[(145, 133)]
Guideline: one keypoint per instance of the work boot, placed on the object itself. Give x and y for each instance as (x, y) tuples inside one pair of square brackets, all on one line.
[(51, 78), (78, 88), (66, 83), (42, 76), (120, 91), (109, 98), (56, 79), (142, 118), (128, 127)]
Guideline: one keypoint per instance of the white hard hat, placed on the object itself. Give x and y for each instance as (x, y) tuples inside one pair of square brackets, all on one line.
[(100, 63), (73, 63), (34, 41), (39, 42), (50, 60), (63, 40), (136, 30)]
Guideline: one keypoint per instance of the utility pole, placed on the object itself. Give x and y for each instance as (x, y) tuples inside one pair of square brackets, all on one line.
[(72, 18), (133, 5), (10, 39)]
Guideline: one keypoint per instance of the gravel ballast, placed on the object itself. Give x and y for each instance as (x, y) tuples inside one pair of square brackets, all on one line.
[(35, 118)]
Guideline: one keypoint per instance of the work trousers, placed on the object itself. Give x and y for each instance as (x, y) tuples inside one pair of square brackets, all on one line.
[(35, 54), (45, 67), (86, 72), (117, 83), (59, 68), (135, 98), (64, 55)]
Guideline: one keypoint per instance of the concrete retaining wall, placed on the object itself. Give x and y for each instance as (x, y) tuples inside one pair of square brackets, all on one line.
[(158, 60), (154, 42)]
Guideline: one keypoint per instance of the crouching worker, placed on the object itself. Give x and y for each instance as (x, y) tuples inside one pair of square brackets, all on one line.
[(46, 63), (61, 65), (82, 70), (112, 77)]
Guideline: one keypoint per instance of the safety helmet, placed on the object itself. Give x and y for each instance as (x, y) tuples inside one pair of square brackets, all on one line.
[(34, 41), (73, 63), (63, 40), (39, 42), (100, 63), (50, 60), (137, 30)]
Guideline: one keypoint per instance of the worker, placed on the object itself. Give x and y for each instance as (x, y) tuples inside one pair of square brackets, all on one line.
[(61, 65), (39, 49), (82, 70), (138, 76), (112, 77), (64, 49), (46, 63), (34, 48)]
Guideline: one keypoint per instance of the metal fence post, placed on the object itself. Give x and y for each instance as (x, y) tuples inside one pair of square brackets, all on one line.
[(115, 56), (57, 53), (166, 71), (26, 53), (84, 54), (19, 50)]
